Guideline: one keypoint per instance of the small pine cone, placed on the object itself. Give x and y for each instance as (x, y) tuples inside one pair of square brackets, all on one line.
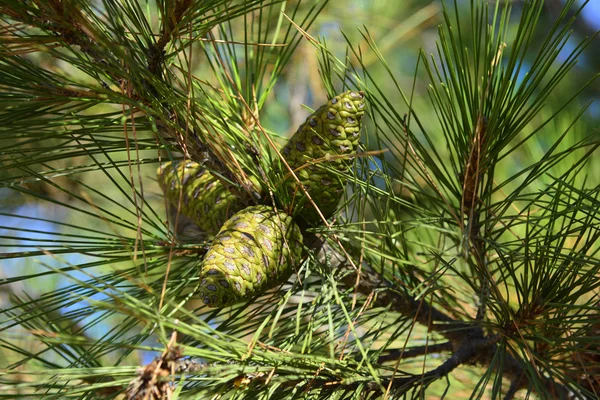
[(254, 251), (204, 198), (334, 129)]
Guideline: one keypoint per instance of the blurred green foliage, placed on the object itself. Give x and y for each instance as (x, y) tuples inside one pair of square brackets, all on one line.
[(85, 254)]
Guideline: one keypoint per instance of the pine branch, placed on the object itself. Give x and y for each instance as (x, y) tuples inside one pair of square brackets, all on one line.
[(64, 19), (417, 351), (445, 237), (468, 342), (70, 25), (194, 148)]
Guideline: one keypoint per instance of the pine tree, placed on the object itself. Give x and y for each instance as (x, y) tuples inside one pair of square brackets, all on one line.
[(458, 260)]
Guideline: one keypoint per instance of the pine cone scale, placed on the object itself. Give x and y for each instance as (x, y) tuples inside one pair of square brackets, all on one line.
[(253, 251), (205, 200), (334, 129)]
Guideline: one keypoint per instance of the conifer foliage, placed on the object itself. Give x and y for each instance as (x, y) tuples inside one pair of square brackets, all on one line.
[(424, 235)]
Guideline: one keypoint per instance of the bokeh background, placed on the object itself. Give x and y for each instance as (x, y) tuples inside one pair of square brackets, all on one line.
[(401, 29)]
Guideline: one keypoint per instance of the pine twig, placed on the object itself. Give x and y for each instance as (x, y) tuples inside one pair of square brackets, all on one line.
[(192, 146), (469, 343), (416, 351), (71, 26)]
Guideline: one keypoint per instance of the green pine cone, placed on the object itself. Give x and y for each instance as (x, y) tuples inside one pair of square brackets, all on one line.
[(206, 201), (254, 251), (334, 129)]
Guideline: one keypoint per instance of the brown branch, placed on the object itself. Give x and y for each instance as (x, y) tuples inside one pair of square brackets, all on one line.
[(417, 351), (468, 350), (469, 343), (69, 23), (403, 303), (169, 30), (191, 145)]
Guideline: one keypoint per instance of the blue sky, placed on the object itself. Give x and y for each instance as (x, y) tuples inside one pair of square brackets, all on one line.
[(591, 13)]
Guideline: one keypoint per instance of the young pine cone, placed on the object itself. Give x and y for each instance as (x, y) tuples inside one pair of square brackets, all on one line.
[(332, 130), (254, 251), (204, 198)]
